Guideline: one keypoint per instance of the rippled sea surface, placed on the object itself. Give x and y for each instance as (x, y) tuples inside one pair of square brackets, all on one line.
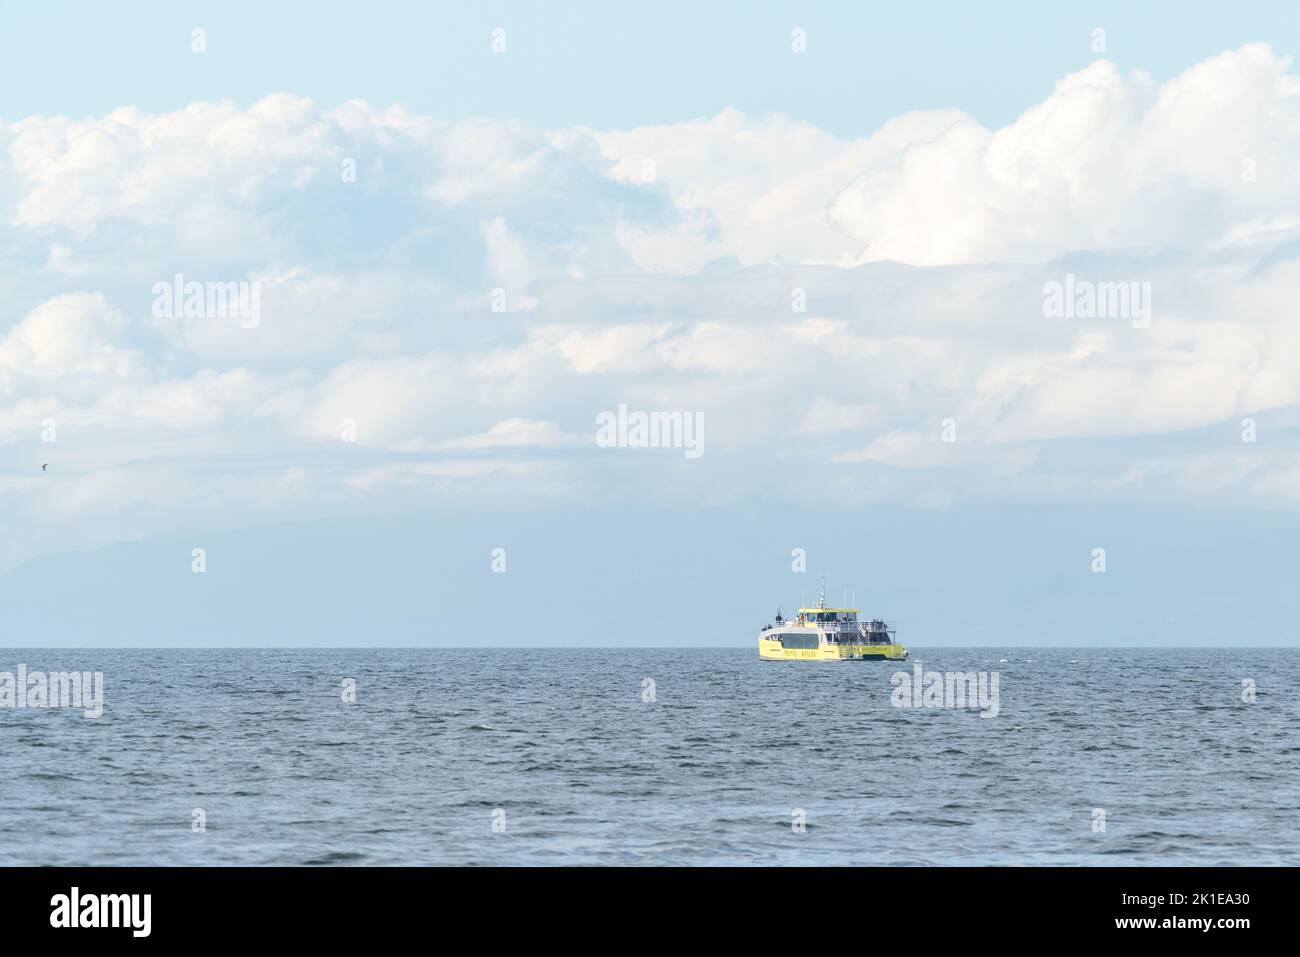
[(712, 771)]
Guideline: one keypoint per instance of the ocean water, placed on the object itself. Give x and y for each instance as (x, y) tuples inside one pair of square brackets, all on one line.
[(561, 751)]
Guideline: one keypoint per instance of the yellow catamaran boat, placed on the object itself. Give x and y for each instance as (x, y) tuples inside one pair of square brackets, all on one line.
[(828, 634)]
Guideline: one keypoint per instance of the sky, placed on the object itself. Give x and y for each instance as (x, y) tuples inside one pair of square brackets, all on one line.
[(989, 317)]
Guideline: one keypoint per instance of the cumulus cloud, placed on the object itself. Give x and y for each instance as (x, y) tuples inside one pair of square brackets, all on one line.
[(1106, 161), (825, 302), (69, 338)]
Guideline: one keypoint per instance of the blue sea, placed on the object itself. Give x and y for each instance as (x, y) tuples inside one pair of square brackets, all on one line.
[(654, 756)]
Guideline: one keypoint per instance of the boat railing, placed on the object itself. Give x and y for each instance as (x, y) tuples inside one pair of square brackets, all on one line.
[(849, 624), (861, 632), (878, 632), (874, 630)]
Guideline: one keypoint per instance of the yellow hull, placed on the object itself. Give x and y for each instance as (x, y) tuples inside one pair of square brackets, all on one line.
[(770, 650)]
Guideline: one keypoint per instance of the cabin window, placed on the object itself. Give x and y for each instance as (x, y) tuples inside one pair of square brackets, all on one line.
[(798, 641)]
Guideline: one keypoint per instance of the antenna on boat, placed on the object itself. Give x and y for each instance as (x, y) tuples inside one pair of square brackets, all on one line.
[(821, 599)]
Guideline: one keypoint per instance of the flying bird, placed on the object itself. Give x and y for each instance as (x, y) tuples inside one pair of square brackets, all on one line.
[(43, 466)]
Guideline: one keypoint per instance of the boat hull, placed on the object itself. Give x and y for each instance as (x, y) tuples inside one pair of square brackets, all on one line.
[(771, 650)]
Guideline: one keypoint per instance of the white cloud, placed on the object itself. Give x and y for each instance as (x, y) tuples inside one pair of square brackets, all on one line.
[(1106, 161), (68, 338), (518, 433), (657, 267)]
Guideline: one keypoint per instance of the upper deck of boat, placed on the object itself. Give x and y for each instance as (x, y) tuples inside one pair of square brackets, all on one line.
[(829, 614)]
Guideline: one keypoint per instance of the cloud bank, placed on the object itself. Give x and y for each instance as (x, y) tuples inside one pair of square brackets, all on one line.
[(445, 308)]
